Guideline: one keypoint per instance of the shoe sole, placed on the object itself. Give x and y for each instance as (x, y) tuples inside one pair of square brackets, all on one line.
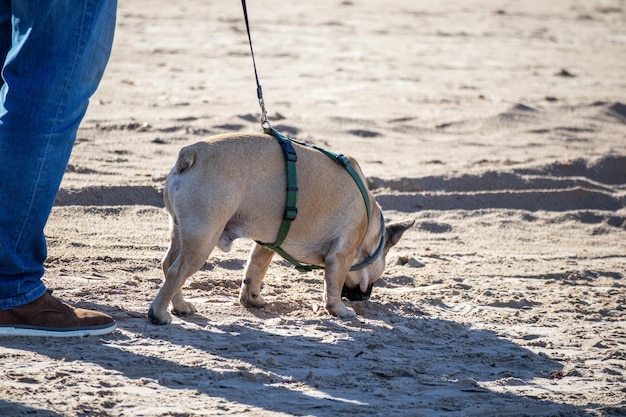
[(7, 330)]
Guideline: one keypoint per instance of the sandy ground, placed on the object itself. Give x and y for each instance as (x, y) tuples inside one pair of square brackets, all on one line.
[(500, 128)]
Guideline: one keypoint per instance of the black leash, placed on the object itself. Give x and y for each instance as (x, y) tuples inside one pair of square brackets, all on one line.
[(289, 153), (259, 90)]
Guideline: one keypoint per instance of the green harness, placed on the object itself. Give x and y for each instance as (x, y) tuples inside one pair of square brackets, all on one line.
[(291, 209)]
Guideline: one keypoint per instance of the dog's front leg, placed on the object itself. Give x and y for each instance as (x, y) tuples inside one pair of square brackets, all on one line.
[(335, 272), (258, 262)]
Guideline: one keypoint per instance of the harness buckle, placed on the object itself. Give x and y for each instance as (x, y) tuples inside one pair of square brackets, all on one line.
[(290, 213), (291, 156), (344, 160), (288, 150)]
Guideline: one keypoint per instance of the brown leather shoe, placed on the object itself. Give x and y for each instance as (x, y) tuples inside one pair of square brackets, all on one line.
[(47, 316)]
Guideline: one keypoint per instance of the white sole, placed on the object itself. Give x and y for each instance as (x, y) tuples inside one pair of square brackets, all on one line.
[(56, 332)]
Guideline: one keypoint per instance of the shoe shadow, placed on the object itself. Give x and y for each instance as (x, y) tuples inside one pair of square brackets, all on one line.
[(9, 408)]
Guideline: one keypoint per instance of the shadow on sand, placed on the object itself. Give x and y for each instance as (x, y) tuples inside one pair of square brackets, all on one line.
[(413, 366)]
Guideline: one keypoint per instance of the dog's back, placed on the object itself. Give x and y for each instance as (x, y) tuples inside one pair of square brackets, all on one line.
[(238, 183)]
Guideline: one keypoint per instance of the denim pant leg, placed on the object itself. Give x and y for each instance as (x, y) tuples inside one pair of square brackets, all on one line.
[(57, 52)]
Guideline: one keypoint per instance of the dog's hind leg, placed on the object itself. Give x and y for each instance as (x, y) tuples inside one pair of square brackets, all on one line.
[(174, 250), (180, 306), (258, 262), (193, 250)]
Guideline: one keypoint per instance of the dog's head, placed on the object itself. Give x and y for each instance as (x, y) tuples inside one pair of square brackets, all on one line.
[(359, 282), (355, 294)]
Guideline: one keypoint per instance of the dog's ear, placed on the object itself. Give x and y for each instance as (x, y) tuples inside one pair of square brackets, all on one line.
[(395, 231)]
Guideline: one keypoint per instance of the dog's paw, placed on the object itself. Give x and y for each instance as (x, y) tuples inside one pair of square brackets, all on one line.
[(341, 311), (154, 318), (184, 309), (249, 298), (256, 302), (347, 314)]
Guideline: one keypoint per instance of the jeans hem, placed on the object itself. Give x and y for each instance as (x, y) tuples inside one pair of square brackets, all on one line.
[(22, 299)]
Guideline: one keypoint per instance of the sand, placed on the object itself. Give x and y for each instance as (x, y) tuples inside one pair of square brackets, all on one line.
[(500, 128)]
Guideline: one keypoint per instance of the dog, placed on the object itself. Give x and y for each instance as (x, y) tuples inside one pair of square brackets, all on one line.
[(234, 186)]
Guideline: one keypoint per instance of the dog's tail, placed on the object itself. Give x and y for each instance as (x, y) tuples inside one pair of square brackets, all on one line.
[(186, 158)]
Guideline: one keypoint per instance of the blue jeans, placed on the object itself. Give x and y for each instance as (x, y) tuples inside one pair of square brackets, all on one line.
[(53, 54)]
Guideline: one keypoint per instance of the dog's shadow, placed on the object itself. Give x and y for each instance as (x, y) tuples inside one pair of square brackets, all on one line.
[(403, 362)]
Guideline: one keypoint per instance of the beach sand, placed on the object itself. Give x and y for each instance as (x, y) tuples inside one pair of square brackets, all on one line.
[(500, 128)]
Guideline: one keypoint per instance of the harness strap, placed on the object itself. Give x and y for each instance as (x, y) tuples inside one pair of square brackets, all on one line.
[(338, 158), (377, 252), (291, 210)]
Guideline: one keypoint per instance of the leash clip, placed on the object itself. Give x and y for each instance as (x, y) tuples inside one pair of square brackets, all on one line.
[(264, 121), (265, 124)]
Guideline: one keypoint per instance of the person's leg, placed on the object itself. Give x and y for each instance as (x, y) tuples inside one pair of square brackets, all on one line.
[(57, 55), (5, 31)]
